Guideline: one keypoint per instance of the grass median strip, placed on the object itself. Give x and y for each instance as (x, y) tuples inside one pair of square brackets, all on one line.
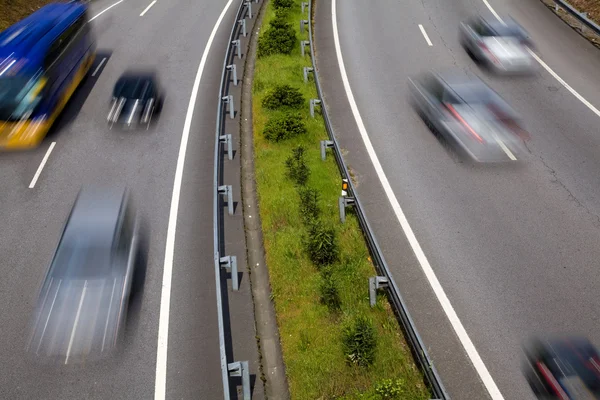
[(334, 345)]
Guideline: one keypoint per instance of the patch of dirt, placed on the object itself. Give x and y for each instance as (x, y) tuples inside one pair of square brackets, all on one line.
[(12, 11)]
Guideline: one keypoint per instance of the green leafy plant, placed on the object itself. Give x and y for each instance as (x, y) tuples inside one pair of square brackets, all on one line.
[(390, 389), (279, 38), (284, 126), (309, 205), (283, 96), (330, 295), (321, 244), (360, 342), (296, 166), (280, 4)]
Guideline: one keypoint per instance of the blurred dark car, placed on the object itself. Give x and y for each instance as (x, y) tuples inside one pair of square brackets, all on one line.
[(137, 98), (563, 368), (502, 47), (469, 114), (82, 306)]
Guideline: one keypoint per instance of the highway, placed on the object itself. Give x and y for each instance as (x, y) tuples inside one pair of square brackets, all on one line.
[(514, 247), (39, 187)]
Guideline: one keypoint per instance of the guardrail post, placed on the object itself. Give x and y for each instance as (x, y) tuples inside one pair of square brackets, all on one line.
[(344, 202), (312, 106), (227, 140), (238, 47), (229, 101), (306, 71), (226, 190), (303, 44), (304, 4), (325, 144), (242, 22), (376, 282), (302, 23), (230, 263), (240, 368), (233, 70), (249, 5)]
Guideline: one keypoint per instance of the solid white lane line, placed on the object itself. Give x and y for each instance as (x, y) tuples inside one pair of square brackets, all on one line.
[(492, 10), (505, 149), (98, 67), (165, 297), (550, 71), (425, 35), (75, 323), (457, 325), (41, 167), (565, 84), (105, 10), (147, 8)]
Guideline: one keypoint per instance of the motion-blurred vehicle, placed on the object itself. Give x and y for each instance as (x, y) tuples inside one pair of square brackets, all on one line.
[(469, 114), (502, 47), (137, 97), (563, 368), (43, 59), (82, 305)]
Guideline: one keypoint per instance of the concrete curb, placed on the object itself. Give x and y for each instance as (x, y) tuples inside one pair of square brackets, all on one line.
[(272, 366)]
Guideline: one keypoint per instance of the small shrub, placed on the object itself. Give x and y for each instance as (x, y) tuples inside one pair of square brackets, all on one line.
[(296, 166), (279, 4), (330, 295), (309, 205), (283, 96), (322, 244), (284, 126), (390, 389), (360, 342), (279, 38)]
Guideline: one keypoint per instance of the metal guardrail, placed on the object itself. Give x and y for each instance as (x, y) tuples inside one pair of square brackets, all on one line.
[(580, 16), (385, 279), (229, 72)]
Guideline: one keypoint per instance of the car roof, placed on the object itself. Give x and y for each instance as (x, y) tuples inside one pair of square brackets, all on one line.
[(134, 85), (96, 212), (29, 38)]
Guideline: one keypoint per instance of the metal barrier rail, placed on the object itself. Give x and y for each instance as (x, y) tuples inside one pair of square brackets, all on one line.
[(385, 279), (581, 17), (234, 368)]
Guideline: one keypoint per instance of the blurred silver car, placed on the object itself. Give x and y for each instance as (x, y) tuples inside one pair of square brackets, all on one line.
[(502, 47), (469, 114), (82, 306)]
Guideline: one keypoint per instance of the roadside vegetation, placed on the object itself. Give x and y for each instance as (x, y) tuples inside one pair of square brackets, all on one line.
[(12, 11), (334, 345), (591, 7)]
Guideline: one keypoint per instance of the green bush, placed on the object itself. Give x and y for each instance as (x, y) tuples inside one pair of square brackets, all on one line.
[(279, 38), (284, 126), (283, 96), (390, 389), (330, 295), (280, 4), (309, 205), (360, 342), (321, 244), (296, 166)]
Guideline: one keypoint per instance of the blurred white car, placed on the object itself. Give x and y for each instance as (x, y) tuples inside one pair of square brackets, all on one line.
[(502, 47)]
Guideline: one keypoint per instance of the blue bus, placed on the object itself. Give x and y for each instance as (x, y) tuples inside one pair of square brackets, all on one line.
[(43, 59)]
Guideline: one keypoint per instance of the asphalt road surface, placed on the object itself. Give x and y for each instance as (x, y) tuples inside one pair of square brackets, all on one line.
[(169, 37), (514, 247)]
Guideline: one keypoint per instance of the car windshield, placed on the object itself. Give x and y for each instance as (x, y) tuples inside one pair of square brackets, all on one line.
[(82, 257), (18, 96)]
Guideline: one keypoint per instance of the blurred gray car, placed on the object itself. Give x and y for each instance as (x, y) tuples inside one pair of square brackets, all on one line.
[(502, 47), (82, 305), (469, 114)]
